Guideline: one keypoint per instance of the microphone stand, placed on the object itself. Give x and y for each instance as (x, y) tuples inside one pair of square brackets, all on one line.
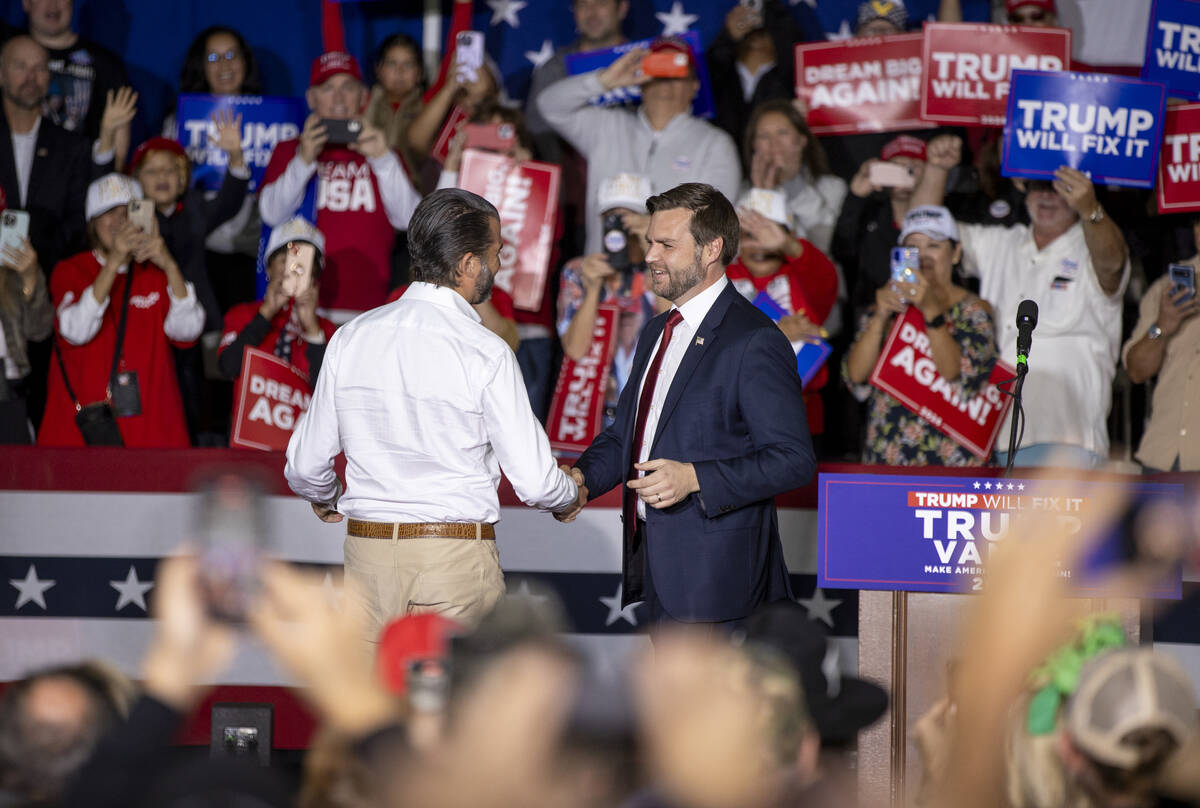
[(1017, 413)]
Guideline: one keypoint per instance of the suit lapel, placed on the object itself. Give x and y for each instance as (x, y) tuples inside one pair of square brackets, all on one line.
[(8, 166), (702, 343), (41, 157)]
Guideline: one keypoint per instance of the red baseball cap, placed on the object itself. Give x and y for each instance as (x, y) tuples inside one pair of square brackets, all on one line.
[(1012, 5), (330, 64), (411, 639), (903, 146), (155, 144), (672, 45)]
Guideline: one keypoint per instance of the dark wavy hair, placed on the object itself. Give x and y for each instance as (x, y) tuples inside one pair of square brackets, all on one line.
[(401, 40), (813, 159), (191, 77), (448, 224)]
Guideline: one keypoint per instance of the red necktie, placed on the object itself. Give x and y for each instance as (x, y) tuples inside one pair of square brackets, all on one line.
[(643, 411)]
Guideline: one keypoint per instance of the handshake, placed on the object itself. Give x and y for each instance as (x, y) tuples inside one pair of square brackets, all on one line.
[(569, 513)]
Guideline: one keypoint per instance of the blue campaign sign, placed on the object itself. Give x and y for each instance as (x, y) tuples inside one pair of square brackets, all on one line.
[(934, 534), (1108, 127), (266, 120), (1173, 47), (811, 356), (578, 63)]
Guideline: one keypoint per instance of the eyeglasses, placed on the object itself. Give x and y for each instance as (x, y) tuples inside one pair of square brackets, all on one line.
[(227, 56), (1031, 17)]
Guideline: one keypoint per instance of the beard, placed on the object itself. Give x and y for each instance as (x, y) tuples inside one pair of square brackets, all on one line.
[(681, 281), (483, 283)]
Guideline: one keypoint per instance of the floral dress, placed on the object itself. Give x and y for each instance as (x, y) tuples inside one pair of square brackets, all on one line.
[(896, 436)]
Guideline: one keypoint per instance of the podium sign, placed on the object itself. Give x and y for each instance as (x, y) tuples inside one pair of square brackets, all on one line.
[(934, 534)]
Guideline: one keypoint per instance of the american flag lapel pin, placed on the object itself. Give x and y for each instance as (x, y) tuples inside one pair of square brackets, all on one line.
[(699, 340)]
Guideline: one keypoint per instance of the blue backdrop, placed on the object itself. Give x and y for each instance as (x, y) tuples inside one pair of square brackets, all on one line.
[(153, 35)]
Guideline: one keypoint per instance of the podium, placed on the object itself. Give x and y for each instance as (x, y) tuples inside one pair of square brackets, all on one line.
[(916, 546)]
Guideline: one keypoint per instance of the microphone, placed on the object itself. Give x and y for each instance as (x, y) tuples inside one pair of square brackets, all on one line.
[(1027, 318)]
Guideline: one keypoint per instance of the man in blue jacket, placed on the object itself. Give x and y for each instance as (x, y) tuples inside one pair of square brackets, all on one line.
[(709, 429)]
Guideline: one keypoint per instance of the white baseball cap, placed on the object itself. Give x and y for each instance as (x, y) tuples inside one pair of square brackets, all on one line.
[(772, 204), (624, 191), (930, 220), (110, 191), (295, 229)]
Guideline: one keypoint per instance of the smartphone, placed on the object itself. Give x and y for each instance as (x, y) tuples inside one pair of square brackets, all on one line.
[(141, 213), (230, 532), (427, 682), (490, 136), (891, 175), (14, 229), (1181, 275), (616, 243), (665, 65), (298, 268), (469, 54), (342, 132), (905, 263)]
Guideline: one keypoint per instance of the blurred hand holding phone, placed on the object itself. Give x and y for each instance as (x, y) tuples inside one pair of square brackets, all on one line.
[(1182, 276), (230, 531), (468, 54), (14, 230), (905, 263), (141, 214), (665, 64), (890, 175), (298, 268), (497, 137), (341, 132), (616, 243)]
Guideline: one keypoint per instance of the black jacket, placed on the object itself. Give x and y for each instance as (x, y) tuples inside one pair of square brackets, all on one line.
[(58, 181)]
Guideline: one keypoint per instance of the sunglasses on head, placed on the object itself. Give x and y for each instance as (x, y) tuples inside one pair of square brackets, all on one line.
[(228, 56)]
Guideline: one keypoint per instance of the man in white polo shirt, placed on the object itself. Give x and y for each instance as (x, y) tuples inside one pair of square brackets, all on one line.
[(1073, 262)]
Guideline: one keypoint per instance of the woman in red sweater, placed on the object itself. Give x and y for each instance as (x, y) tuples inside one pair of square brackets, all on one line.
[(130, 270)]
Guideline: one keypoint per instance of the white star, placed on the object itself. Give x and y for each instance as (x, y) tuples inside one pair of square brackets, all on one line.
[(676, 21), (988, 486), (977, 484), (540, 57), (615, 612), (1021, 486), (820, 607), (31, 588), (131, 590), (505, 11), (524, 591), (1011, 486), (843, 33)]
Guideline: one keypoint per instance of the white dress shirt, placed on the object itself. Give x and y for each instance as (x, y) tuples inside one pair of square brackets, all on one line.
[(23, 147), (694, 311), (428, 406)]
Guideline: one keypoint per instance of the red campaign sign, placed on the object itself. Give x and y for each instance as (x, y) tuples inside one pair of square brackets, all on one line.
[(457, 118), (906, 371), (967, 67), (526, 194), (271, 397), (861, 85), (1179, 161), (577, 408)]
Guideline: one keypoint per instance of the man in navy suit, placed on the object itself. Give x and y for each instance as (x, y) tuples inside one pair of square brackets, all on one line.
[(709, 429)]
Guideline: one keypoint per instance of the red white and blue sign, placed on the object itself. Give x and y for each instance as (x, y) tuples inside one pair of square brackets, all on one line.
[(935, 534), (1173, 47), (266, 120), (580, 63), (1106, 126)]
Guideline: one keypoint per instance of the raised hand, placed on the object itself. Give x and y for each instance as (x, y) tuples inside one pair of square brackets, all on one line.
[(120, 107), (765, 233), (860, 184), (229, 136), (625, 72), (944, 151), (1075, 187), (667, 483)]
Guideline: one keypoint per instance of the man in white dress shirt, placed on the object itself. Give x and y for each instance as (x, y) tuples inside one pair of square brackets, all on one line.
[(428, 405)]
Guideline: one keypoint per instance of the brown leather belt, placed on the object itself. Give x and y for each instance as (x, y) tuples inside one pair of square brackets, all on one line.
[(419, 530)]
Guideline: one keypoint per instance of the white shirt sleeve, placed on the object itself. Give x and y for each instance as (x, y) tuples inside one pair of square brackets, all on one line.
[(279, 201), (102, 157), (79, 320), (185, 318), (975, 243), (447, 179), (400, 199), (519, 441), (565, 105), (316, 440)]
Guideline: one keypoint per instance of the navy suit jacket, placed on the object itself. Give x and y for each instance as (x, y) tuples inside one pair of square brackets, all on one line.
[(734, 410)]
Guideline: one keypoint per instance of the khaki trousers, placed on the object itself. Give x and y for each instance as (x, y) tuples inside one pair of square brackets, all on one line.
[(389, 578)]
